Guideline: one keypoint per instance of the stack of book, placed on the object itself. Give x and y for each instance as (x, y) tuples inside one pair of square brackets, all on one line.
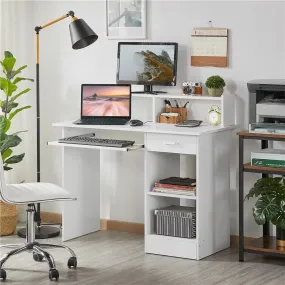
[(176, 185), (268, 158)]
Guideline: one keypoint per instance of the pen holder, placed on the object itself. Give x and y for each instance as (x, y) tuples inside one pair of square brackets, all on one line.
[(169, 120), (181, 111)]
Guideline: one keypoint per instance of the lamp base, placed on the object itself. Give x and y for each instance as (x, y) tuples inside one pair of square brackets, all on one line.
[(42, 232)]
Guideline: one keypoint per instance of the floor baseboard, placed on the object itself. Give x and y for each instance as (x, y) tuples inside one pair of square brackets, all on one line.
[(235, 240), (121, 226), (51, 218)]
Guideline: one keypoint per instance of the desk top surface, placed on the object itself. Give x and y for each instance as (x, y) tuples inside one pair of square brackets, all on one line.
[(151, 128)]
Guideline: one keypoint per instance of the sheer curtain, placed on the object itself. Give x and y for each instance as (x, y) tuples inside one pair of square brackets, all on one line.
[(17, 36)]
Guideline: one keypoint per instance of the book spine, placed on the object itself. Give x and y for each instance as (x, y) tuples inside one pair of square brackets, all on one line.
[(269, 156), (268, 163), (176, 192)]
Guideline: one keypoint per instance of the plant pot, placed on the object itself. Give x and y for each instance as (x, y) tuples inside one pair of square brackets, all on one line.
[(215, 92), (280, 237), (8, 218)]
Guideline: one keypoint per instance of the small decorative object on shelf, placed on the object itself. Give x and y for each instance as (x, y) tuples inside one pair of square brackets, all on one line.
[(215, 115), (187, 89), (215, 85), (191, 88), (270, 205)]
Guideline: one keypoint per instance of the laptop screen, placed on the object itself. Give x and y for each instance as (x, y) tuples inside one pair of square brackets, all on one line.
[(106, 100)]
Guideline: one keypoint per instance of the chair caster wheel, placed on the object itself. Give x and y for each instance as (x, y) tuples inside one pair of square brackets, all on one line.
[(53, 274), (3, 274), (37, 257), (72, 262)]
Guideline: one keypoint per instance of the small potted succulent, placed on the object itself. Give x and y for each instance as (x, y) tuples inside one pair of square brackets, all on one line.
[(270, 205), (215, 85)]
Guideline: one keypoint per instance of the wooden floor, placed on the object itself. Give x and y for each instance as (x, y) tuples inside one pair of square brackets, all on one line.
[(111, 258)]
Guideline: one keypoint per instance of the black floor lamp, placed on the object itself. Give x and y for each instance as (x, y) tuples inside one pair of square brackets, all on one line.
[(81, 36)]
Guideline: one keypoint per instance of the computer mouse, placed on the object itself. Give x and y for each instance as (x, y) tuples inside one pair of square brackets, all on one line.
[(135, 123)]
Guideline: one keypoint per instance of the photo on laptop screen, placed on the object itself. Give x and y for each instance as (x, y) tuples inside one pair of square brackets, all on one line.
[(106, 101)]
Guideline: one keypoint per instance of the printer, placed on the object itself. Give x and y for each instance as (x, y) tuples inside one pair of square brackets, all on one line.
[(267, 105)]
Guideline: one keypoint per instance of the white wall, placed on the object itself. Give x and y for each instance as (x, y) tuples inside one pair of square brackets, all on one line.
[(256, 48)]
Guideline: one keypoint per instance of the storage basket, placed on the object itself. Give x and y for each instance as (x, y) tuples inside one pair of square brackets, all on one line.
[(8, 218), (176, 221)]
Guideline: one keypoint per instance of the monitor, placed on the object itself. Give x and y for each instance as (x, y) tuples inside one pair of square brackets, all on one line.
[(105, 100), (147, 63)]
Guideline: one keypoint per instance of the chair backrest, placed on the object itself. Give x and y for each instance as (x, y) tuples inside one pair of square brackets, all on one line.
[(3, 188)]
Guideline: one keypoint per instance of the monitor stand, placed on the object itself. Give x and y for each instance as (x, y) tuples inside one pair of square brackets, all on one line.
[(148, 90)]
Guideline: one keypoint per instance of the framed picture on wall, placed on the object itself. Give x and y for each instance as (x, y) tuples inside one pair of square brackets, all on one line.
[(126, 19)]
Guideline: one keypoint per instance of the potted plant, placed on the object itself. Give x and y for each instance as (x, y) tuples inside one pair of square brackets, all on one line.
[(270, 205), (9, 140), (215, 85)]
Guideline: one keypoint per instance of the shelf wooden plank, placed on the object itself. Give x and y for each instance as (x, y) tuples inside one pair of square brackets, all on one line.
[(129, 148), (171, 195), (259, 169), (264, 245), (247, 134)]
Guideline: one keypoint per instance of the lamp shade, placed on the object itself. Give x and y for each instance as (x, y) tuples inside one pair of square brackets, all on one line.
[(81, 34)]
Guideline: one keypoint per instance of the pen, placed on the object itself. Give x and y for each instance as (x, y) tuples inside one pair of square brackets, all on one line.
[(177, 105), (185, 105), (167, 103)]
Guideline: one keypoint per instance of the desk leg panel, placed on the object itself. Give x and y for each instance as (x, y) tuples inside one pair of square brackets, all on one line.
[(81, 177)]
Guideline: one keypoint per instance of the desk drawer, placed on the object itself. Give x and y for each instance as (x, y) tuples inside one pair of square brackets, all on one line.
[(171, 143)]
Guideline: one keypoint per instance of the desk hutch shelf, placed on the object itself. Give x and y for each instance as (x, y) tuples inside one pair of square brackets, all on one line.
[(266, 244), (197, 108)]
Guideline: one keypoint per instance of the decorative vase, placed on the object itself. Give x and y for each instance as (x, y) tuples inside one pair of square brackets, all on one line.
[(280, 237), (8, 218), (215, 92)]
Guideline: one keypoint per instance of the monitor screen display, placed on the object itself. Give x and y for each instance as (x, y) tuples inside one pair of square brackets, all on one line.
[(103, 100), (147, 63)]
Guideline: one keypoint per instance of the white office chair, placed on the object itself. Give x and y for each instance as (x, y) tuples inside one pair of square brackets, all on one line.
[(30, 194)]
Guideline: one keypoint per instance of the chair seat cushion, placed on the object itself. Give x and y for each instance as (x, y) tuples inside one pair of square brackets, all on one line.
[(26, 193)]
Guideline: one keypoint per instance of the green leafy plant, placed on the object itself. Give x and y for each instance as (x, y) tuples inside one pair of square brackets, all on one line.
[(270, 205), (10, 108), (215, 82)]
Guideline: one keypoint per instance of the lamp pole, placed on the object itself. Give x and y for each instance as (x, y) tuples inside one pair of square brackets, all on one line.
[(81, 36)]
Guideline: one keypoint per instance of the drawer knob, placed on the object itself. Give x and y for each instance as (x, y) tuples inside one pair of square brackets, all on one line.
[(170, 143)]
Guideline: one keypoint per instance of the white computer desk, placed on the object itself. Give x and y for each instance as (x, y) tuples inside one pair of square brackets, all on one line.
[(209, 151)]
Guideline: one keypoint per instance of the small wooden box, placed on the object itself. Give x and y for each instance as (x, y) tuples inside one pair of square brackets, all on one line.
[(181, 111), (169, 120)]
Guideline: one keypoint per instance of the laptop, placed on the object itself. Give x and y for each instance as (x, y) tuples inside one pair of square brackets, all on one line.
[(105, 104)]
